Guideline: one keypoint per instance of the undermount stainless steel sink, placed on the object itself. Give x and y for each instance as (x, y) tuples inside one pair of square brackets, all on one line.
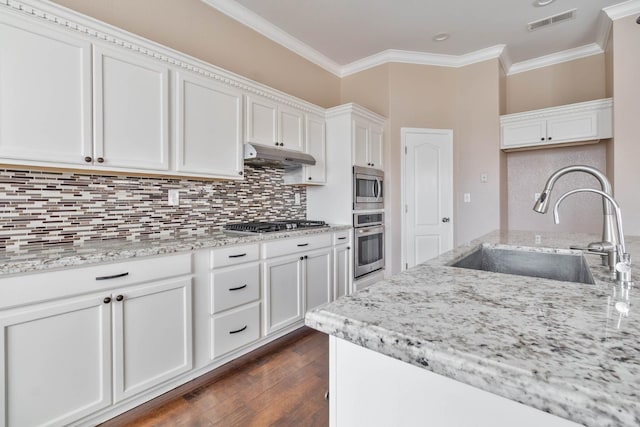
[(567, 267)]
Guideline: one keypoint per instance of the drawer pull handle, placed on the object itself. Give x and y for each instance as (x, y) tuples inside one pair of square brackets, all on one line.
[(239, 330), (115, 276), (341, 238), (303, 244), (238, 256), (238, 288), (119, 298)]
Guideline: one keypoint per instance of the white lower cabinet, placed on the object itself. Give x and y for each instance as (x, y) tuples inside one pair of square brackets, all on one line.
[(235, 329), (318, 278), (283, 284), (343, 270), (55, 362), (151, 334), (64, 359)]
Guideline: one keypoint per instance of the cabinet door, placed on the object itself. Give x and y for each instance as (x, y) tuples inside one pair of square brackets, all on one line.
[(208, 128), (55, 362), (317, 147), (376, 147), (152, 335), (131, 111), (45, 94), (343, 270), (283, 292), (261, 121), (573, 127), (318, 273), (527, 132), (291, 128), (360, 140)]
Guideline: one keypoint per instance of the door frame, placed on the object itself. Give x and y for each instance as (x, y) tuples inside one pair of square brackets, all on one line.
[(403, 197)]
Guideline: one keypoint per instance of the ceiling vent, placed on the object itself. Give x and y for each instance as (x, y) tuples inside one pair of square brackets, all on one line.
[(564, 16)]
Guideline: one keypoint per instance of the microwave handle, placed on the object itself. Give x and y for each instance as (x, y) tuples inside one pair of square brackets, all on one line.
[(377, 188)]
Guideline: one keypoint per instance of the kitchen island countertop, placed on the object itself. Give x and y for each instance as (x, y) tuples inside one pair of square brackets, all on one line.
[(59, 256), (556, 346)]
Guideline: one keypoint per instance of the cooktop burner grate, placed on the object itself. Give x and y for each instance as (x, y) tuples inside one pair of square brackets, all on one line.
[(271, 226)]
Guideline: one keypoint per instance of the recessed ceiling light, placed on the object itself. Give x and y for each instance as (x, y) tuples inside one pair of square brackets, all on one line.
[(541, 3), (440, 37)]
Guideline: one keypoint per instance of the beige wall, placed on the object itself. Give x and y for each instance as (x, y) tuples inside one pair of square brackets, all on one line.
[(477, 150), (369, 88), (608, 67), (626, 105), (566, 83), (196, 29)]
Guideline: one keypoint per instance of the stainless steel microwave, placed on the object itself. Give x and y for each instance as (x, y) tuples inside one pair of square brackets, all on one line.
[(368, 188)]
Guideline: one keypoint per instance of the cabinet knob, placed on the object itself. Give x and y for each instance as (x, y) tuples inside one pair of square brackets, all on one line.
[(542, 139), (119, 298), (301, 258), (107, 300), (372, 164), (100, 160), (348, 248), (240, 173), (88, 159), (309, 178), (306, 257), (277, 144), (282, 144), (445, 219), (549, 138)]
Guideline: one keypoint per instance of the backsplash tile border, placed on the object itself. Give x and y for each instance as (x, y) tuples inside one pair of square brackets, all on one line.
[(43, 208)]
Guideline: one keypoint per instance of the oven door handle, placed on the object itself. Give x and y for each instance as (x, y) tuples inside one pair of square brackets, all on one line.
[(365, 231)]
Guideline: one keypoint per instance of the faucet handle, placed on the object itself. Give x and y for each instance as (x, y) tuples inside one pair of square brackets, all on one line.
[(623, 268)]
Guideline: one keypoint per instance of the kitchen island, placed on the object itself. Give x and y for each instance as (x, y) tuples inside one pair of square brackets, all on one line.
[(561, 348)]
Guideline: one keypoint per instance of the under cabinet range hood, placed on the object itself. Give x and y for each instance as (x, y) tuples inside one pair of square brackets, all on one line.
[(262, 155)]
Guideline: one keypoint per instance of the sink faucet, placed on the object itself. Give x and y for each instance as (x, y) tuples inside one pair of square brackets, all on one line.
[(609, 238), (619, 252)]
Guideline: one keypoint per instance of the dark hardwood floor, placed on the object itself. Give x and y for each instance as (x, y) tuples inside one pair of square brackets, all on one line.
[(284, 387)]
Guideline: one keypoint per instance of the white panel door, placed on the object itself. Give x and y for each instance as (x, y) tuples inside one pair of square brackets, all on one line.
[(291, 128), (317, 147), (427, 193), (152, 335), (360, 138), (343, 273), (131, 111), (262, 121), (318, 272), (283, 292), (208, 127), (45, 94), (55, 363), (376, 147)]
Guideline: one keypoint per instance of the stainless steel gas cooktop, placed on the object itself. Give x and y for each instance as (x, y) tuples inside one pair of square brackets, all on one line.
[(272, 226)]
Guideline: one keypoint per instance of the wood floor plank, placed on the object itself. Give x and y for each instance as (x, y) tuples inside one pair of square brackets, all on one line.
[(284, 387)]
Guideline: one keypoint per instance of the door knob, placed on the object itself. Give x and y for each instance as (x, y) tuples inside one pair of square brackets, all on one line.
[(445, 219)]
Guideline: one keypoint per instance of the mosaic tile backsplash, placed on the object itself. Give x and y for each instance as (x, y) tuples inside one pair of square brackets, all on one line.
[(39, 209)]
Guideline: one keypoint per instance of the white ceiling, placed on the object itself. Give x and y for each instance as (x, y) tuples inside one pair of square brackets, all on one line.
[(345, 32)]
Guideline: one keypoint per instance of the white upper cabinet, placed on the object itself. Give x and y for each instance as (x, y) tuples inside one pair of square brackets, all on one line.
[(45, 94), (131, 108), (583, 122), (208, 127), (272, 124), (367, 144), (317, 147)]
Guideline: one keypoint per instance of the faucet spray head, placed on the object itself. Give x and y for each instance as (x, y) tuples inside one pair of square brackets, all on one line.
[(542, 204)]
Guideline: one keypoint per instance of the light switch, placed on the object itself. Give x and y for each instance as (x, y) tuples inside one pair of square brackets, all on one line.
[(467, 197), (296, 198)]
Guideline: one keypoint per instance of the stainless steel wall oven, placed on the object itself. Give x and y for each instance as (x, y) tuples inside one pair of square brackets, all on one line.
[(369, 243)]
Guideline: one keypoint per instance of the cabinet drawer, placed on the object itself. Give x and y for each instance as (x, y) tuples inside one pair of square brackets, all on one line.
[(298, 244), (341, 237), (234, 329), (234, 255), (234, 286), (35, 287)]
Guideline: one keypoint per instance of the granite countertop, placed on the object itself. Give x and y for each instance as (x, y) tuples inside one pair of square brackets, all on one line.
[(557, 346), (31, 260)]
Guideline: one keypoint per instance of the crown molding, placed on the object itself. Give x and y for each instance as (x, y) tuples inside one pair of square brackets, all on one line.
[(257, 23), (352, 108), (622, 10), (578, 107), (556, 58), (422, 58), (604, 29)]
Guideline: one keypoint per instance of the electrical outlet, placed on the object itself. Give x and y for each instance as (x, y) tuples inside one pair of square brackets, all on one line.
[(296, 198), (467, 197), (484, 178), (536, 196), (538, 239), (173, 197)]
